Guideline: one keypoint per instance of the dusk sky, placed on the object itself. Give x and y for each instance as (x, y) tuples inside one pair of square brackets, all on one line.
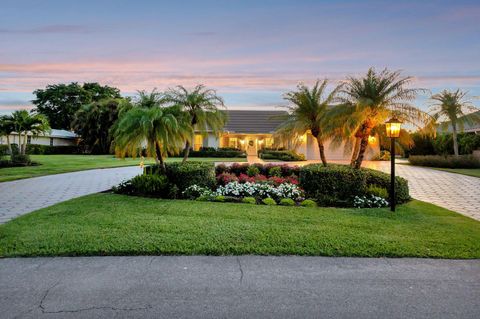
[(249, 51)]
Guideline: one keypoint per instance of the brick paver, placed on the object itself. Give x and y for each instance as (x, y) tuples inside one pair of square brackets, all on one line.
[(26, 195), (456, 192)]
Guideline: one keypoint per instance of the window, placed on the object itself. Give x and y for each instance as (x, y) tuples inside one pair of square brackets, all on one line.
[(232, 142), (29, 140), (51, 141), (197, 142)]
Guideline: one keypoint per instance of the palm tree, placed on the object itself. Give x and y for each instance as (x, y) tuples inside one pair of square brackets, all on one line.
[(163, 129), (455, 110), (368, 101), (203, 107), (307, 112), (25, 123), (6, 128)]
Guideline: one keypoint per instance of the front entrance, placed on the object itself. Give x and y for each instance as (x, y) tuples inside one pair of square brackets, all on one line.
[(251, 148)]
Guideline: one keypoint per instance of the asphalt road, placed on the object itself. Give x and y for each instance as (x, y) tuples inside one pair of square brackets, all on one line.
[(238, 287)]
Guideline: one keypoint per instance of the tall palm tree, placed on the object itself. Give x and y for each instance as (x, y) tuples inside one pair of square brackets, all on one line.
[(307, 112), (368, 101), (6, 128), (25, 123), (163, 129), (452, 108), (204, 108)]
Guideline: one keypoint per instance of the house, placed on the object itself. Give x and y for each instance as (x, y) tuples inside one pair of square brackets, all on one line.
[(253, 130), (52, 138)]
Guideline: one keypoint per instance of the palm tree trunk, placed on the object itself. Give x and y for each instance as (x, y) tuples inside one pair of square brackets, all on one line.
[(24, 148), (356, 149), (10, 147), (159, 157), (321, 148), (186, 151), (455, 142), (363, 148)]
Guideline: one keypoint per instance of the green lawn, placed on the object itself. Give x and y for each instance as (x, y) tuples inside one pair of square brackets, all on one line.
[(55, 164), (464, 171), (109, 224)]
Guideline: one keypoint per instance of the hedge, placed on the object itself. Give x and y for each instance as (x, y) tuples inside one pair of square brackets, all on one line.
[(337, 185), (51, 150), (449, 161), (281, 155), (216, 152), (183, 175), (268, 170)]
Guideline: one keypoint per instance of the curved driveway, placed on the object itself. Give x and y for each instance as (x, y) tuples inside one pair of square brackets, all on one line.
[(456, 192), (26, 195)]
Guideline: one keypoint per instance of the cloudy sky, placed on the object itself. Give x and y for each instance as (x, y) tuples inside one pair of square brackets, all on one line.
[(249, 51)]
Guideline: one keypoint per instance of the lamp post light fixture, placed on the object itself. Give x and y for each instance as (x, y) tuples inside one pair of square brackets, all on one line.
[(393, 131)]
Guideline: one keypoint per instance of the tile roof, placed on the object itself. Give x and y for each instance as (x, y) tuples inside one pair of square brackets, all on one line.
[(254, 121)]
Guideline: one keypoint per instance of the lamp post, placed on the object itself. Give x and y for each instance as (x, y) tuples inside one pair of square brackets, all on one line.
[(393, 131)]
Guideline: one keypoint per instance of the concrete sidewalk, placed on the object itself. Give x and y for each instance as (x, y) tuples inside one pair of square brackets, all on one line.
[(238, 287)]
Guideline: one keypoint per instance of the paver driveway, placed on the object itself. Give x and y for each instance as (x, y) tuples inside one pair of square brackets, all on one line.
[(26, 195), (456, 192)]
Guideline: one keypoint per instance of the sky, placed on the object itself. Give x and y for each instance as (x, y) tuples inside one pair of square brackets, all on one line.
[(251, 52)]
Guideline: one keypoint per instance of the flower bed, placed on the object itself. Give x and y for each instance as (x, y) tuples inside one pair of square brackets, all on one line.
[(335, 185)]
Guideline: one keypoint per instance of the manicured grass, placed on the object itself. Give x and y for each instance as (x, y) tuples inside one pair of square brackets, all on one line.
[(464, 171), (108, 224), (55, 164)]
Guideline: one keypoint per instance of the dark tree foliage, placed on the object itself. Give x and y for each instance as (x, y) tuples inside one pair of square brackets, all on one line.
[(93, 122), (60, 102)]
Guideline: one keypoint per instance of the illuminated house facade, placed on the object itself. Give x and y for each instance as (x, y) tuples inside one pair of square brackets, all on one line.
[(253, 130)]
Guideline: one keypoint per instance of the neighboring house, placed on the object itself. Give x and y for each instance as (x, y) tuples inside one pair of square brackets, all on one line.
[(254, 130), (52, 138), (468, 128)]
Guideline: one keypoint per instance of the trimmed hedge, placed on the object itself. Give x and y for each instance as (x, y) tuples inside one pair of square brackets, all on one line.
[(281, 155), (337, 185), (145, 185), (268, 170), (183, 175), (52, 150), (450, 161), (216, 152)]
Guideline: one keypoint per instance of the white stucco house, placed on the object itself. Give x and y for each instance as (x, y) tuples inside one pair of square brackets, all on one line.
[(253, 130), (53, 138)]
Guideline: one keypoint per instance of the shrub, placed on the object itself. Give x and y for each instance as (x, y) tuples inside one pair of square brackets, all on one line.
[(145, 185), (308, 203), (249, 200), (450, 161), (382, 156), (370, 201), (195, 191), (281, 155), (216, 152), (186, 174), (252, 170), (238, 169), (52, 150), (422, 145), (380, 179), (269, 201), (219, 198), (287, 202), (220, 169), (21, 160), (275, 171), (337, 185), (335, 181), (377, 191), (225, 178), (260, 190)]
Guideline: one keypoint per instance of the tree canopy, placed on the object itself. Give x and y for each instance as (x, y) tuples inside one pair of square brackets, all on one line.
[(60, 102)]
